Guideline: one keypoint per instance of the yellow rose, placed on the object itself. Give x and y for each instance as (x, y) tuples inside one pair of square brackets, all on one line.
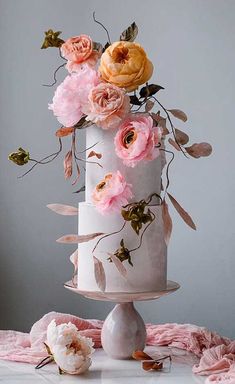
[(126, 65)]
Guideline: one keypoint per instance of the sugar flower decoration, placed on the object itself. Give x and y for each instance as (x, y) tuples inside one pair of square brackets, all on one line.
[(126, 65), (79, 51), (71, 351), (107, 105), (71, 95), (137, 140), (111, 193)]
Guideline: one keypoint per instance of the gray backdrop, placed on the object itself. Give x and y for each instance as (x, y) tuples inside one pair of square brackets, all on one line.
[(191, 43)]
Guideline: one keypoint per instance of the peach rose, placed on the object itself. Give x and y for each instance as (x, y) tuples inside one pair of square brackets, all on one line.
[(78, 51), (107, 105), (111, 193), (126, 65), (136, 140)]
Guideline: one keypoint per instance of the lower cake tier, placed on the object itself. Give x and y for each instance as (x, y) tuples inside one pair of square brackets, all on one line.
[(149, 270)]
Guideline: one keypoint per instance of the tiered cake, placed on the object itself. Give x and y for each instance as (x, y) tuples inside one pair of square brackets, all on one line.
[(149, 269)]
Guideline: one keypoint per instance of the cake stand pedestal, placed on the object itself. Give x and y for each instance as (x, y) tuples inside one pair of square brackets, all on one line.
[(123, 330)]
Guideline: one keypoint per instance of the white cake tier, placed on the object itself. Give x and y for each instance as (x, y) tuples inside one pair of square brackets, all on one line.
[(149, 261), (145, 177)]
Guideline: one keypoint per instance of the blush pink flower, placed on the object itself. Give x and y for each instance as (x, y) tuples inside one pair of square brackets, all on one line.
[(111, 193), (71, 95), (79, 50), (107, 106), (136, 140)]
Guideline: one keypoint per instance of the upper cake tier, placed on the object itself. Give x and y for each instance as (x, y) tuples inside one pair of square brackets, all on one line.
[(144, 177)]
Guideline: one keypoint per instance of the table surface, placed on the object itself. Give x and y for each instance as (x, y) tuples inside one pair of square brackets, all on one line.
[(107, 371)]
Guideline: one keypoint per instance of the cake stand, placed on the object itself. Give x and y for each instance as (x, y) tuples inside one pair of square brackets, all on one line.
[(123, 331)]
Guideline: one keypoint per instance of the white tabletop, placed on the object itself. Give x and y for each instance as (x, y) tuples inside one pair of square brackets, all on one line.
[(106, 371)]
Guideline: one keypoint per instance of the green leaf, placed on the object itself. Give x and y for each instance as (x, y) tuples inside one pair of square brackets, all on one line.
[(130, 33), (150, 90)]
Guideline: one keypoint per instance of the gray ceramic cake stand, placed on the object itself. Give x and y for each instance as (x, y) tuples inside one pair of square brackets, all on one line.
[(123, 330)]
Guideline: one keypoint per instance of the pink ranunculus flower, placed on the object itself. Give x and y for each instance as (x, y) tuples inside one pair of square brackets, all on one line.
[(136, 140), (71, 351), (79, 50), (111, 193), (107, 106), (71, 95)]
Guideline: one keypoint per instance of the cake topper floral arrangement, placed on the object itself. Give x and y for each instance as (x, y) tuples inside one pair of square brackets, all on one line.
[(108, 85)]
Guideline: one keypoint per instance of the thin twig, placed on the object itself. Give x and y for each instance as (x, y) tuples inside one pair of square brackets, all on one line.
[(54, 75), (44, 362), (107, 235), (42, 161), (167, 169), (98, 22)]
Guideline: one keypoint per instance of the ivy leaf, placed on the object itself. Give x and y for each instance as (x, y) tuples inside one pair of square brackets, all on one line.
[(199, 150), (178, 114), (150, 90), (99, 274), (130, 33), (134, 100), (184, 215)]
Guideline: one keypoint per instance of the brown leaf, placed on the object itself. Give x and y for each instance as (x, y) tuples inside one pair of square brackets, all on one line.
[(181, 137), (118, 264), (185, 216), (93, 153), (149, 105), (130, 33), (65, 210), (99, 274), (199, 150), (74, 259), (167, 222), (141, 355), (76, 239), (155, 365), (161, 122), (68, 165), (178, 114), (64, 131), (174, 144)]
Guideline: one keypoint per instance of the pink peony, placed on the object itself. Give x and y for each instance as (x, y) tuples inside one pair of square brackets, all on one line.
[(107, 106), (78, 51), (71, 95), (111, 193), (136, 140)]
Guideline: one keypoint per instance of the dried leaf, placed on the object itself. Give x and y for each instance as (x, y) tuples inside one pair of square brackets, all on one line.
[(181, 137), (65, 210), (185, 216), (149, 105), (161, 122), (178, 114), (199, 150), (68, 165), (93, 153), (99, 274), (76, 239), (74, 259), (155, 365), (167, 222), (141, 355), (150, 90), (118, 264), (130, 33), (174, 144), (64, 131), (134, 100)]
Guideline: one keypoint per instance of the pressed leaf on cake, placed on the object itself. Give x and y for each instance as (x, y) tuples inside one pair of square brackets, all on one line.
[(118, 264), (185, 216), (99, 274), (76, 239), (167, 222), (65, 210)]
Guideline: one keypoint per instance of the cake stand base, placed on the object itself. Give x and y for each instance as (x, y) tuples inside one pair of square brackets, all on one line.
[(124, 330)]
